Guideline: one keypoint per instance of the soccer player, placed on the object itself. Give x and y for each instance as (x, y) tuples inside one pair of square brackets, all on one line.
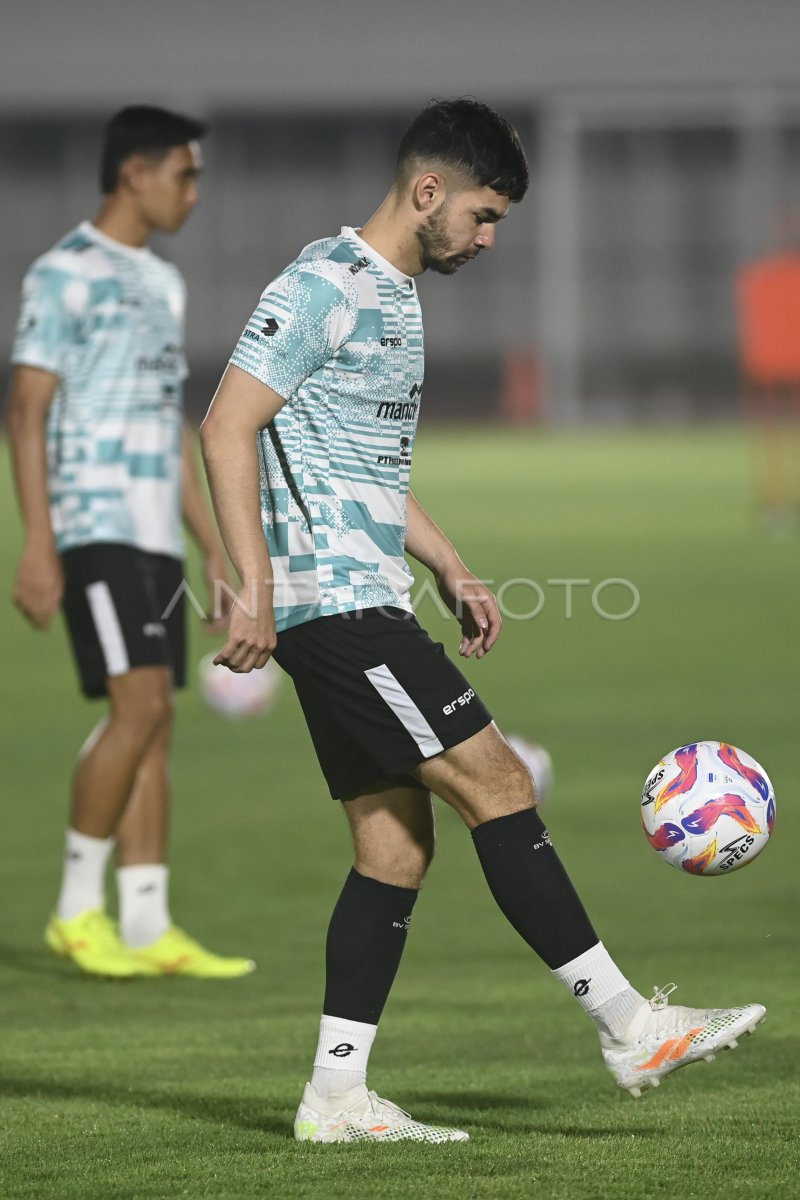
[(104, 469), (308, 445)]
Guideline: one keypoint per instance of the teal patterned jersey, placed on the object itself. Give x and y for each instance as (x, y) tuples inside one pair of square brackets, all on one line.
[(107, 319), (339, 336)]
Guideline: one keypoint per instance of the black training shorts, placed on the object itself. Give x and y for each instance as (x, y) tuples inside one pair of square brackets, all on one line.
[(124, 608), (379, 697)]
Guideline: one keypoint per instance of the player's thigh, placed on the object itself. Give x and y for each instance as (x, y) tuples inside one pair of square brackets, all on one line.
[(113, 614), (393, 832), (482, 777), (377, 677), (170, 601)]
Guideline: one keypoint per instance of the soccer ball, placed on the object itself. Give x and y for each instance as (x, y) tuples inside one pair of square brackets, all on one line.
[(708, 808), (233, 695)]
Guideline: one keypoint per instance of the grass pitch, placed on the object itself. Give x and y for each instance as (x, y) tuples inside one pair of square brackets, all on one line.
[(180, 1088)]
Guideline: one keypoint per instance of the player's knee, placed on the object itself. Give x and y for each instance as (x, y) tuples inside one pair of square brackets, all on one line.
[(404, 866), (147, 715), (507, 789), (519, 785), (415, 867), (421, 855), (425, 850)]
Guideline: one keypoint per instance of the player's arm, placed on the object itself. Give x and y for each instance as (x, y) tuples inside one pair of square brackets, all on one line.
[(463, 593), (39, 583), (241, 407), (199, 521)]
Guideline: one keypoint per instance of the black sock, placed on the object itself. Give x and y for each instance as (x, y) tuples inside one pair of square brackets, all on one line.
[(532, 888), (366, 938)]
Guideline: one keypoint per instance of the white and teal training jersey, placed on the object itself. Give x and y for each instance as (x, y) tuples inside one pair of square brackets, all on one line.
[(107, 319), (339, 335)]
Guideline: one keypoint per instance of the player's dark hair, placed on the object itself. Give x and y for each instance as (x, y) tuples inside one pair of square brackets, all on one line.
[(143, 129), (469, 137)]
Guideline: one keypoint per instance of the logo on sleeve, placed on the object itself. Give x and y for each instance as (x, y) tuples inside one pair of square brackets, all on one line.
[(268, 329)]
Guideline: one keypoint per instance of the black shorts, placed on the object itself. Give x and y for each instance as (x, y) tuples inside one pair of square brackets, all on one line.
[(121, 611), (379, 697)]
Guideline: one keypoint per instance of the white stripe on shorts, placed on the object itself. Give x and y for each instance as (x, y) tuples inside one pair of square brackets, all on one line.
[(404, 707), (109, 630)]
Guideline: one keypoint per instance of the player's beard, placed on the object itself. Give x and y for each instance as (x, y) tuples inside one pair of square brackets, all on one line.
[(436, 246)]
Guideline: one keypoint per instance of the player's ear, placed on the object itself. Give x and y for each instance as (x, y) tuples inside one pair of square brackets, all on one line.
[(428, 191), (132, 172)]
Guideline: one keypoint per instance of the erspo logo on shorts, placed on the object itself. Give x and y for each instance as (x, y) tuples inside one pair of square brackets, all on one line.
[(459, 702)]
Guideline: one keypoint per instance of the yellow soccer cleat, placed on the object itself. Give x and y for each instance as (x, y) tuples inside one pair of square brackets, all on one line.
[(175, 953), (92, 941)]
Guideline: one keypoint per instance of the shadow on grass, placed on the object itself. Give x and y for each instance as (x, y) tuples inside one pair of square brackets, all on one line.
[(37, 960), (34, 960), (481, 1110), (488, 1110), (472, 1102), (245, 1113)]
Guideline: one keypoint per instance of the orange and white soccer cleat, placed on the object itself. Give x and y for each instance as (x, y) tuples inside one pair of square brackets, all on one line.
[(660, 1038)]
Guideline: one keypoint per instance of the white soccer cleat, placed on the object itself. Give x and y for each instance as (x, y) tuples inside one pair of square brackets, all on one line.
[(660, 1038), (362, 1116)]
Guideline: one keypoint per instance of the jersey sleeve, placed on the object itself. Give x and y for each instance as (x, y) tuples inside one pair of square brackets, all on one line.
[(302, 319), (52, 317)]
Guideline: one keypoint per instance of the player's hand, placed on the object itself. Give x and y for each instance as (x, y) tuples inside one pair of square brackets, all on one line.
[(39, 585), (251, 629), (474, 606), (221, 590)]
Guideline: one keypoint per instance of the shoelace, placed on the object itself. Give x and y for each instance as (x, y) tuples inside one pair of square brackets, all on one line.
[(660, 997), (384, 1108)]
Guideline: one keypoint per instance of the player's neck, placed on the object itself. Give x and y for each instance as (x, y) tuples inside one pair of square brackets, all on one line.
[(119, 221), (387, 233)]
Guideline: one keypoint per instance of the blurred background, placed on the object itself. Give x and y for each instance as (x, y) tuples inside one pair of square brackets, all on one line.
[(664, 142)]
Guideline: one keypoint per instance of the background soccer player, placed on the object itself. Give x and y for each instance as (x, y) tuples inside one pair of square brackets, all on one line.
[(321, 402), (104, 470)]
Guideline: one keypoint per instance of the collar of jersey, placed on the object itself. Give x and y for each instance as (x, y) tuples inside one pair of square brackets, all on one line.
[(398, 277), (97, 235)]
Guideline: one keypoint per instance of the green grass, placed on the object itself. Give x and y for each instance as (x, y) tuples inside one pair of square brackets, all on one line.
[(180, 1088)]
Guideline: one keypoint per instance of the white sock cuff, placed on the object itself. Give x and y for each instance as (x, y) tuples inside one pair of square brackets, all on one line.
[(344, 1044), (83, 878), (143, 873), (593, 978), (143, 903), (83, 844)]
